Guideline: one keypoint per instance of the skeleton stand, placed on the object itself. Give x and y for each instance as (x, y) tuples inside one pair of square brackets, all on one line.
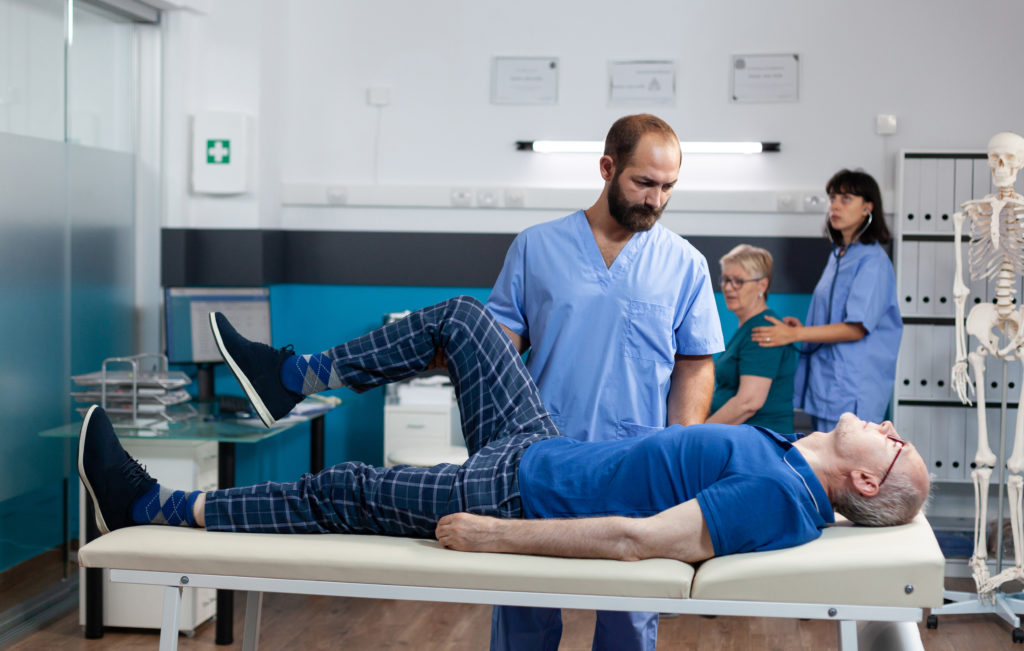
[(1006, 606), (996, 236)]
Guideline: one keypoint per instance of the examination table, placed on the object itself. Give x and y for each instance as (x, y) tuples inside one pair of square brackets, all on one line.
[(849, 574)]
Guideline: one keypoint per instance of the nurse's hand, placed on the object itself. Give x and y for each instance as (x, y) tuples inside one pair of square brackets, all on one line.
[(778, 334)]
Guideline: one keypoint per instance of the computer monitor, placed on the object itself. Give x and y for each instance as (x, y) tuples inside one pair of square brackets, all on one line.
[(187, 321)]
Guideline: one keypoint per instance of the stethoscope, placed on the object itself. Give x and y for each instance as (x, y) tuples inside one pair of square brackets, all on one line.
[(839, 252)]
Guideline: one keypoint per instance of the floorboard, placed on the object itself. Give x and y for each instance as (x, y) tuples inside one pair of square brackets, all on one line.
[(312, 622)]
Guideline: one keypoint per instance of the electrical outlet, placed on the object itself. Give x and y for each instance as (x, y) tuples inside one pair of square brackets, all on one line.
[(514, 198), (886, 125), (337, 195), (786, 202), (487, 198), (815, 203), (462, 197)]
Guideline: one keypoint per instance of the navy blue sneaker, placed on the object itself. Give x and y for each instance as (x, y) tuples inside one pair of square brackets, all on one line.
[(113, 478), (257, 367)]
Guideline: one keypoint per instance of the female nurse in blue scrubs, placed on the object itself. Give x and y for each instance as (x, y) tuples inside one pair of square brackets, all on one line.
[(852, 335), (753, 384)]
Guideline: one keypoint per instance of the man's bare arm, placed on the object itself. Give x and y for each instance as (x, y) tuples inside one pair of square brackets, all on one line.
[(689, 395), (679, 533), (518, 341)]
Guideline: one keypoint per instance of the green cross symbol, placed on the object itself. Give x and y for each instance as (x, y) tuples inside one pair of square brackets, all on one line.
[(218, 152)]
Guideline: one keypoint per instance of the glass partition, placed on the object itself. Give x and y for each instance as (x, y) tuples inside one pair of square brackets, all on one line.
[(32, 68), (100, 80), (67, 228)]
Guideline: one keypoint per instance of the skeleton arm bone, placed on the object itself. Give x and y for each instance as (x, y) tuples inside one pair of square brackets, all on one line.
[(960, 376)]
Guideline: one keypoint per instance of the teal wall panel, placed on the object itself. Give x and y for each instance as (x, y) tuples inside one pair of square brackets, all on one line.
[(313, 318)]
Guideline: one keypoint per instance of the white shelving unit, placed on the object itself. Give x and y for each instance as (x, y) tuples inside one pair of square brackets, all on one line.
[(931, 185)]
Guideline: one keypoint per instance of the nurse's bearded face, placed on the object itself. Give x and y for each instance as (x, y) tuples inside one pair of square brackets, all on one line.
[(634, 217)]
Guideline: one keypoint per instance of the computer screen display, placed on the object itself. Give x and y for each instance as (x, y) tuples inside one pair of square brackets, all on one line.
[(187, 322)]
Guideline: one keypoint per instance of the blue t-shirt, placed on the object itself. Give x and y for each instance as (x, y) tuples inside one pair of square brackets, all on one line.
[(854, 376), (603, 340), (754, 488)]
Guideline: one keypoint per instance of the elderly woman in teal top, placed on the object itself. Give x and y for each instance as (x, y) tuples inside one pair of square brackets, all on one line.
[(753, 384)]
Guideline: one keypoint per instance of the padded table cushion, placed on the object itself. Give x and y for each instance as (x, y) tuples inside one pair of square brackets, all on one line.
[(377, 560), (847, 565)]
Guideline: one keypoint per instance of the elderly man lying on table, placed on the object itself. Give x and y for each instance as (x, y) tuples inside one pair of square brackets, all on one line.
[(687, 493)]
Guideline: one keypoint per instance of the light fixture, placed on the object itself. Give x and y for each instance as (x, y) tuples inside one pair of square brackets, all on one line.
[(687, 147)]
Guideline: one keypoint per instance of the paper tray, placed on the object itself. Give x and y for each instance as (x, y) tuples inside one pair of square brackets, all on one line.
[(166, 380)]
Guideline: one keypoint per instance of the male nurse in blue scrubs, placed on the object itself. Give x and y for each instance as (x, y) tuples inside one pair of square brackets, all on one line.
[(620, 320)]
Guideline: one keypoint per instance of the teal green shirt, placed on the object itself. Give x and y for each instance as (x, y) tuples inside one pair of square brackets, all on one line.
[(745, 357)]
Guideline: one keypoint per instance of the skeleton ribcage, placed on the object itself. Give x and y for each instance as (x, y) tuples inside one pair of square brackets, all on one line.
[(985, 256)]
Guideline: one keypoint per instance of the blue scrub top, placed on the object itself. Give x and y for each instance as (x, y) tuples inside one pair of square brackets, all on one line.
[(855, 376), (604, 339)]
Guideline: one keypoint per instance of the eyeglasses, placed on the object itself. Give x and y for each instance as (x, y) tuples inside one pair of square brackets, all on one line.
[(726, 281), (903, 444)]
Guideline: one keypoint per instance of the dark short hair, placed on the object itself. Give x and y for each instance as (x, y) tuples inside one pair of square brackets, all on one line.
[(860, 184), (625, 134)]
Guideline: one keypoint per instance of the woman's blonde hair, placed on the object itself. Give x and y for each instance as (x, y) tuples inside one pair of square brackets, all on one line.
[(755, 261)]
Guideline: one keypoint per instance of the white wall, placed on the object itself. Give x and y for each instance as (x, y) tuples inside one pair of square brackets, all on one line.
[(303, 68)]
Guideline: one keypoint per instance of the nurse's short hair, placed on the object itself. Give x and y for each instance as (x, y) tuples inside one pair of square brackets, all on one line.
[(625, 135), (755, 261)]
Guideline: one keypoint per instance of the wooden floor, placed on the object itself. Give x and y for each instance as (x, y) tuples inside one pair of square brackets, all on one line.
[(26, 580), (306, 622)]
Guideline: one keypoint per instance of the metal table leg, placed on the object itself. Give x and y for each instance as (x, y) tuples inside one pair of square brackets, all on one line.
[(225, 598), (226, 479), (316, 444), (93, 581)]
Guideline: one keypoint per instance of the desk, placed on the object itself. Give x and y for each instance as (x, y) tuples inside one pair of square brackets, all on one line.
[(227, 433)]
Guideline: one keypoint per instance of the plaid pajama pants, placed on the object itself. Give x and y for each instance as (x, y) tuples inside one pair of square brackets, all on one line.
[(502, 415)]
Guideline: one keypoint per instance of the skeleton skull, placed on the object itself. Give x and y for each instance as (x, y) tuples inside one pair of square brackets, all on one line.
[(1005, 158)]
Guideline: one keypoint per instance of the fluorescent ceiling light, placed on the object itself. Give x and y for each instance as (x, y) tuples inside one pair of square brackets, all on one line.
[(721, 147), (687, 147), (567, 146)]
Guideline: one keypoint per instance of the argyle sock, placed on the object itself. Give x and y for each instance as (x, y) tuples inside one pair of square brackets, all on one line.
[(162, 505), (309, 374)]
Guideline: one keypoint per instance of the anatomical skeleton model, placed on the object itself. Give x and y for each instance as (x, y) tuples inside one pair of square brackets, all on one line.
[(996, 250)]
